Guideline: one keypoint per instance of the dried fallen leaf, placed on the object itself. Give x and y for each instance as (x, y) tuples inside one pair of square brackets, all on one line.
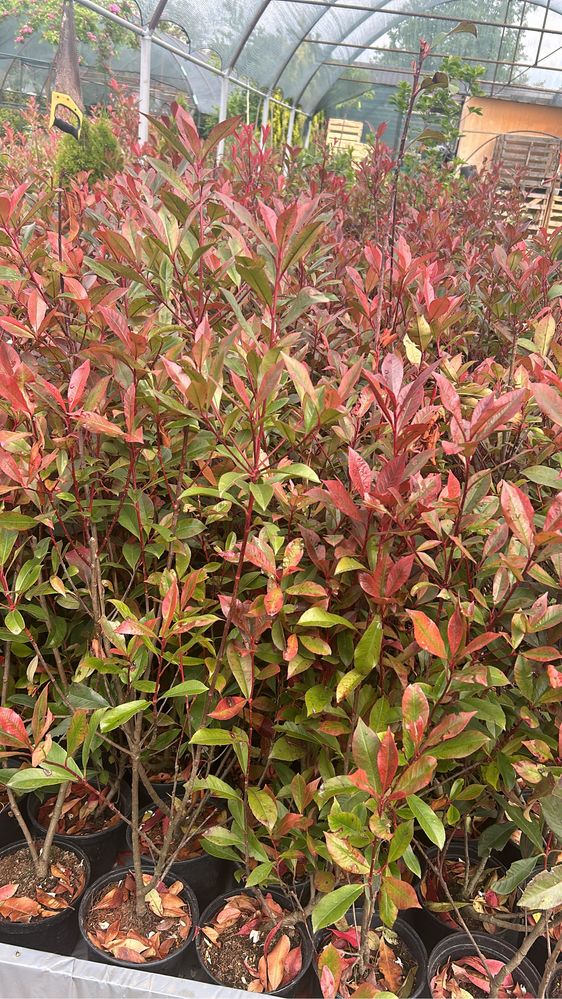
[(389, 967), (275, 961), (154, 902)]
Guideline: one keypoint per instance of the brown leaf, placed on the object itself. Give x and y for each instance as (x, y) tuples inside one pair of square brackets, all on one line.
[(389, 967), (126, 954), (293, 964), (255, 986), (276, 960), (6, 891), (49, 901), (211, 934)]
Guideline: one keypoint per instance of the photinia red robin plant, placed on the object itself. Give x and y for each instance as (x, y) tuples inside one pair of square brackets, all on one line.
[(281, 518)]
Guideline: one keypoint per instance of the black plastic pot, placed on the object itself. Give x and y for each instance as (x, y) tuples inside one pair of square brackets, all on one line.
[(407, 934), (427, 924), (556, 976), (292, 989), (164, 789), (57, 934), (459, 945), (9, 829), (169, 965), (101, 847)]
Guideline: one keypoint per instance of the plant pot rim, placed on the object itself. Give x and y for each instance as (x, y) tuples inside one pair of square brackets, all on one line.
[(557, 970), (114, 875), (300, 927), (494, 949), (80, 838), (63, 913)]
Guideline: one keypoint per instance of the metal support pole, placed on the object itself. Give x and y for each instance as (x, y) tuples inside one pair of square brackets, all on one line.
[(307, 135), (264, 117), (290, 126), (223, 113), (144, 86)]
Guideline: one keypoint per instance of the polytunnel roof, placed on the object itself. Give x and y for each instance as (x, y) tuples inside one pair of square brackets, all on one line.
[(302, 46)]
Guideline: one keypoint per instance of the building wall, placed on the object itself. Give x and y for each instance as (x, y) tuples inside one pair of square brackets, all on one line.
[(498, 117)]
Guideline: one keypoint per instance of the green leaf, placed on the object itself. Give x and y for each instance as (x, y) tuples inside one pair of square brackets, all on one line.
[(365, 746), (401, 840), (315, 617), (296, 471), (14, 622), (464, 28), (16, 521), (345, 855), (27, 576), (459, 747), (219, 788), (77, 731), (518, 872), (34, 778), (347, 684), (551, 807), (555, 292), (317, 699), (114, 717), (368, 650), (263, 807), (544, 891), (427, 819), (189, 688), (544, 476), (81, 696), (215, 737), (333, 906), (260, 875), (7, 542)]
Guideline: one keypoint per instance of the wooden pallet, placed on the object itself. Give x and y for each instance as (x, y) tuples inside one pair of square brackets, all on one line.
[(345, 134), (534, 161)]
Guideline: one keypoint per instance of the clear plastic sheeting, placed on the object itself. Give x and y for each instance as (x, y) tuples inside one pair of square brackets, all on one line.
[(300, 46), (25, 69), (26, 974)]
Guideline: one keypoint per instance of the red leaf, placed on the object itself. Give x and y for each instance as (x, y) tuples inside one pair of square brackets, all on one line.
[(455, 631), (169, 605), (12, 729), (549, 402), (518, 512), (481, 640), (6, 891), (401, 893), (227, 708), (273, 600), (341, 498), (448, 728), (293, 964), (359, 472), (98, 424), (415, 713), (398, 574), (427, 634), (77, 385), (387, 759)]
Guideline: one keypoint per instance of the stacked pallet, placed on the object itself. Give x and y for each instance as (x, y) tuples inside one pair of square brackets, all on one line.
[(533, 161), (346, 134)]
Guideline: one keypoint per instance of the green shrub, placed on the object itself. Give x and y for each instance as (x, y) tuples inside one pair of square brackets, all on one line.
[(97, 151)]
